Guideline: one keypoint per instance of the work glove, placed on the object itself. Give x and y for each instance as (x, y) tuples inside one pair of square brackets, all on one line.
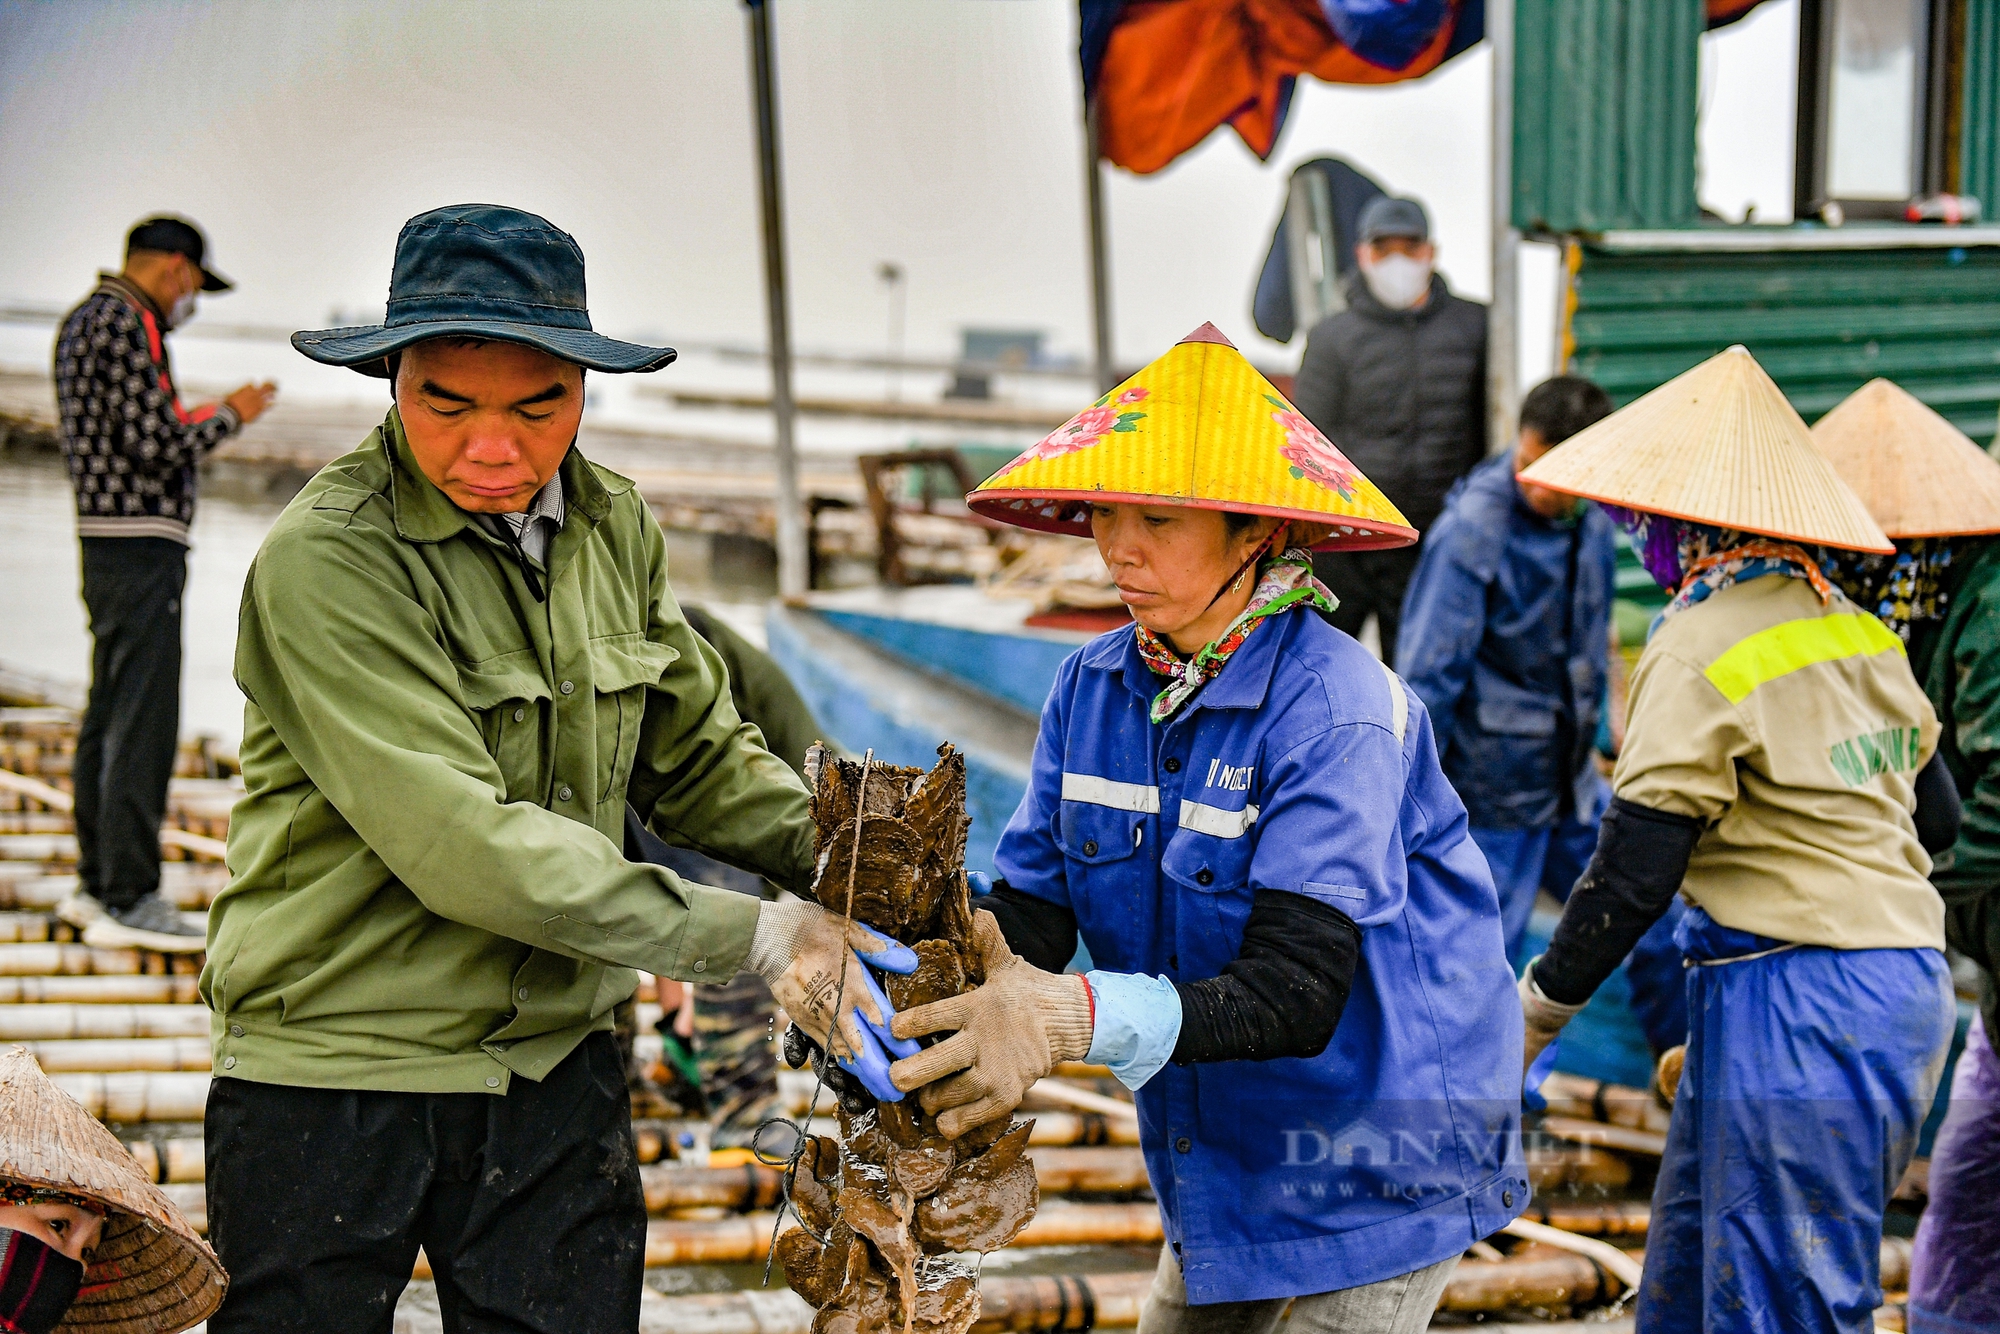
[(1543, 1018), (799, 949), (1010, 1033)]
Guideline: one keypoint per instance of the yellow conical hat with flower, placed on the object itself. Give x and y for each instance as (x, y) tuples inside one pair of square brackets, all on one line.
[(1198, 427)]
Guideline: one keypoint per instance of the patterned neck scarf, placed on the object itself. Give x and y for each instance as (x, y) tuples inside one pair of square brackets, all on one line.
[(1903, 590), (1283, 583), (1696, 561)]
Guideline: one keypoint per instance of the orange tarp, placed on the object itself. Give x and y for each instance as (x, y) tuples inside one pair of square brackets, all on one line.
[(1176, 69)]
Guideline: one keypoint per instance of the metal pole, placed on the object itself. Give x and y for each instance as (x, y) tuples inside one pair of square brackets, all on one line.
[(1503, 367), (792, 556), (1100, 262)]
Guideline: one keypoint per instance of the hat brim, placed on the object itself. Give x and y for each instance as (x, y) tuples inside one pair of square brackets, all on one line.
[(366, 349), (211, 281), (1069, 514)]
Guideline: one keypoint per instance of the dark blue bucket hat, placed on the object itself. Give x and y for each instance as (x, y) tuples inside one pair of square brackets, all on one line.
[(483, 271)]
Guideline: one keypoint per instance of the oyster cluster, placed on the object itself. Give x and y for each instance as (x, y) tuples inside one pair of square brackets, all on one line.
[(887, 1210)]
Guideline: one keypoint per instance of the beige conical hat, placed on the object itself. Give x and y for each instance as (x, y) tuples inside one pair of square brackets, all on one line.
[(1919, 475), (1718, 445), (150, 1271)]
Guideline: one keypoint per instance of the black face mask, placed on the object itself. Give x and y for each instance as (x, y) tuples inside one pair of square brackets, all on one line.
[(37, 1284)]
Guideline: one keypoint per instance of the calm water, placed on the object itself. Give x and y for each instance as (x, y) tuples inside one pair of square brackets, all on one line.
[(42, 623)]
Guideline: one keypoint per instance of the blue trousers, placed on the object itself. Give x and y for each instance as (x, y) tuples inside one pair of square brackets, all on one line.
[(1552, 857), (1809, 1074)]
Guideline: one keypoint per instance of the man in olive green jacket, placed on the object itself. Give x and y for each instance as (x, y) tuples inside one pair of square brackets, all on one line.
[(462, 659)]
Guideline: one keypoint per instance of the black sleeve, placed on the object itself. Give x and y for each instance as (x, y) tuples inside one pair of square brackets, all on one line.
[(1641, 858), (1041, 932), (1938, 811), (1283, 992)]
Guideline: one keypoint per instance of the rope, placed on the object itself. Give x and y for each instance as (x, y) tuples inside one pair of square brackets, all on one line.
[(801, 1127)]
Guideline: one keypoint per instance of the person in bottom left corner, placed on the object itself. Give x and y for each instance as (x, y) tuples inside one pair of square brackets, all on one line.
[(86, 1241)]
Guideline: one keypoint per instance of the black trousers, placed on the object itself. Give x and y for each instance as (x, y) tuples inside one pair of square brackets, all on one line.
[(132, 589), (1366, 581), (527, 1205)]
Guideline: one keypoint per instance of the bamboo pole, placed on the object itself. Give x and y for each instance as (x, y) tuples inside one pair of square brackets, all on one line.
[(1554, 1166), (1600, 1218), (49, 959), (1619, 1264), (109, 1055), (1613, 1104), (153, 989), (23, 927), (50, 1023), (1598, 1135), (37, 847), (196, 845), (1010, 1305), (182, 1160), (148, 1095), (1545, 1278), (1083, 1100)]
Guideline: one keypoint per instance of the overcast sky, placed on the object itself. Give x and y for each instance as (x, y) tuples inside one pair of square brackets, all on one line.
[(939, 134)]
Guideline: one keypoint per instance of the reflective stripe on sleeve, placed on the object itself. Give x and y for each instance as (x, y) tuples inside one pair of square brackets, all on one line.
[(1214, 820), (1791, 645), (1118, 796), (1399, 703)]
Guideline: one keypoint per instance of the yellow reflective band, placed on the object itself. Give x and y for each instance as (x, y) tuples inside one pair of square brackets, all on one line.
[(1784, 649)]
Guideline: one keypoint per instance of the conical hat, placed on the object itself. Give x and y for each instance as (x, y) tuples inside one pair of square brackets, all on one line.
[(1197, 427), (150, 1271), (1919, 475), (1718, 445)]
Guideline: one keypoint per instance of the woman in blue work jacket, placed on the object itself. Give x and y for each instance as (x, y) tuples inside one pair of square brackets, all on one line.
[(1299, 963)]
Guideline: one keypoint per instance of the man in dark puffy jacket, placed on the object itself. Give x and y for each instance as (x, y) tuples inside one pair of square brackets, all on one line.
[(1398, 381)]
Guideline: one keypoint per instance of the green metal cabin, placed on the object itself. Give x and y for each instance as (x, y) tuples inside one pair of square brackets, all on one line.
[(1898, 99)]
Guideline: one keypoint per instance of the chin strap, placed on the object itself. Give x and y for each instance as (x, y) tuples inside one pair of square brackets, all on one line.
[(1264, 547)]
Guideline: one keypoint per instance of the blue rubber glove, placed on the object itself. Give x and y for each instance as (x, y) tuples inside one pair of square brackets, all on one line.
[(1531, 1085), (980, 883), (872, 1066)]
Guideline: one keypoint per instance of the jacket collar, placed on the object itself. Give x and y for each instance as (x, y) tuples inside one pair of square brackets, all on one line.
[(425, 514), (133, 295), (1245, 680)]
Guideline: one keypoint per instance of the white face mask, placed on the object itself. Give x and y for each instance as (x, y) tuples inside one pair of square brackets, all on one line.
[(182, 312), (1397, 281)]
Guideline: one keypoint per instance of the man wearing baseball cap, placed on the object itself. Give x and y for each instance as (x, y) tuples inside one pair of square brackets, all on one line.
[(1398, 381), (132, 449), (462, 661)]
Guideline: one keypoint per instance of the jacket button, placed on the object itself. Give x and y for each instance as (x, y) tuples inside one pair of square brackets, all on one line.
[(1183, 1144), (701, 965), (1507, 1199), (519, 714), (1204, 876), (236, 1030), (493, 1081), (522, 994), (229, 1062), (1090, 847), (1171, 765), (563, 795), (568, 687)]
